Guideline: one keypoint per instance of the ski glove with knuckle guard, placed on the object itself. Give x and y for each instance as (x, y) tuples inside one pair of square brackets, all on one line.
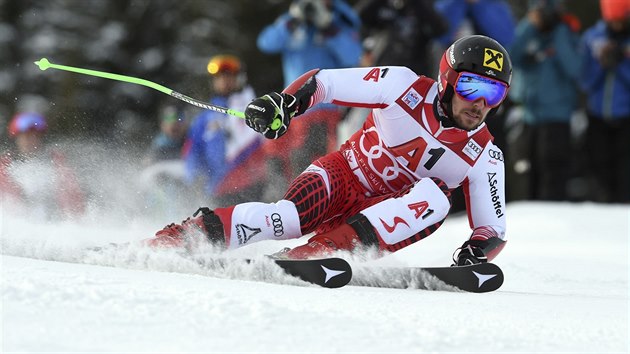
[(271, 114)]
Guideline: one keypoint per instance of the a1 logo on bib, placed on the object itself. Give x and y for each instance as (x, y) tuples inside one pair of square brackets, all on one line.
[(492, 59)]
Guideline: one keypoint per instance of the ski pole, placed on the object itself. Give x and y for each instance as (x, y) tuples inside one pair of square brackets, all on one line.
[(44, 64)]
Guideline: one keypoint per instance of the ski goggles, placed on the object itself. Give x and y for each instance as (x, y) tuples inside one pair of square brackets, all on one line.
[(472, 87)]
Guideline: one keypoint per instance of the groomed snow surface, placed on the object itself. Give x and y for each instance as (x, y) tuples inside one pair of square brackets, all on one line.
[(566, 290)]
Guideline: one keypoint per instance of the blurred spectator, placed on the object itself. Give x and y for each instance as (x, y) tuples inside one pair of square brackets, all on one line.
[(545, 59), (168, 144), (320, 34), (35, 179), (223, 155), (399, 32), (162, 182), (606, 82), (312, 34), (492, 18)]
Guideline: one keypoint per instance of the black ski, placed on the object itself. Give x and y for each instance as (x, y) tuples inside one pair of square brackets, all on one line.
[(326, 272), (476, 278), (336, 272)]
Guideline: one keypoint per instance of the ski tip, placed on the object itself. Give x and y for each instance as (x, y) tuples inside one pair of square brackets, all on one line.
[(43, 64), (490, 278), (325, 272)]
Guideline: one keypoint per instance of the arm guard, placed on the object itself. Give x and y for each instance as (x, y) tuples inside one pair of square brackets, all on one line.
[(303, 89)]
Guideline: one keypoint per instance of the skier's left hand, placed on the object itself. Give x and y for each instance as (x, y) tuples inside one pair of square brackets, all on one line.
[(271, 114)]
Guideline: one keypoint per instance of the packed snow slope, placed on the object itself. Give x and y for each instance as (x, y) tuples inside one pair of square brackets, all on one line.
[(566, 290)]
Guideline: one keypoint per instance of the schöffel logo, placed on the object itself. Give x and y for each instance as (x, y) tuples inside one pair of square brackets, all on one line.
[(497, 155), (494, 194), (278, 228)]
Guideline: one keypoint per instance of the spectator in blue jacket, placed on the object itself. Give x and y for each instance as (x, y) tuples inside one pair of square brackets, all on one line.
[(546, 62), (606, 83), (492, 18), (312, 34)]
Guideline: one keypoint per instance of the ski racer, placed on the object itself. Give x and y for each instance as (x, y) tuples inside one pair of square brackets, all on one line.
[(389, 185)]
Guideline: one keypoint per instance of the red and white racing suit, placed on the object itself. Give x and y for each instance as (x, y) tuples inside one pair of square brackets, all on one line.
[(397, 170)]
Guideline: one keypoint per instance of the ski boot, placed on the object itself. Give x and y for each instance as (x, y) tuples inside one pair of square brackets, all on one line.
[(357, 232), (191, 231)]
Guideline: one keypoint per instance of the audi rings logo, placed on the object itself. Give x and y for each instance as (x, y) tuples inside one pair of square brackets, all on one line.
[(278, 229), (497, 155)]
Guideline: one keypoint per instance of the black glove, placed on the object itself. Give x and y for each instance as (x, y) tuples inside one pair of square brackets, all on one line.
[(271, 114), (471, 252), (610, 55)]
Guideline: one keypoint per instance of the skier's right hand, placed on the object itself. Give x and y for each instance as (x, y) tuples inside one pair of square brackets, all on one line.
[(271, 114)]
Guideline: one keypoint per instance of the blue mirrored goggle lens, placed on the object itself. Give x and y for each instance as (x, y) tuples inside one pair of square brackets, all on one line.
[(471, 87)]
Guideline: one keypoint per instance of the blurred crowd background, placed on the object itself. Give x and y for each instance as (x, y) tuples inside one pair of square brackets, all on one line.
[(111, 143)]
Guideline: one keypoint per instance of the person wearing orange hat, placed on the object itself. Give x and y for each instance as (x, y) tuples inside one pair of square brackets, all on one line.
[(222, 155), (606, 82), (35, 178)]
